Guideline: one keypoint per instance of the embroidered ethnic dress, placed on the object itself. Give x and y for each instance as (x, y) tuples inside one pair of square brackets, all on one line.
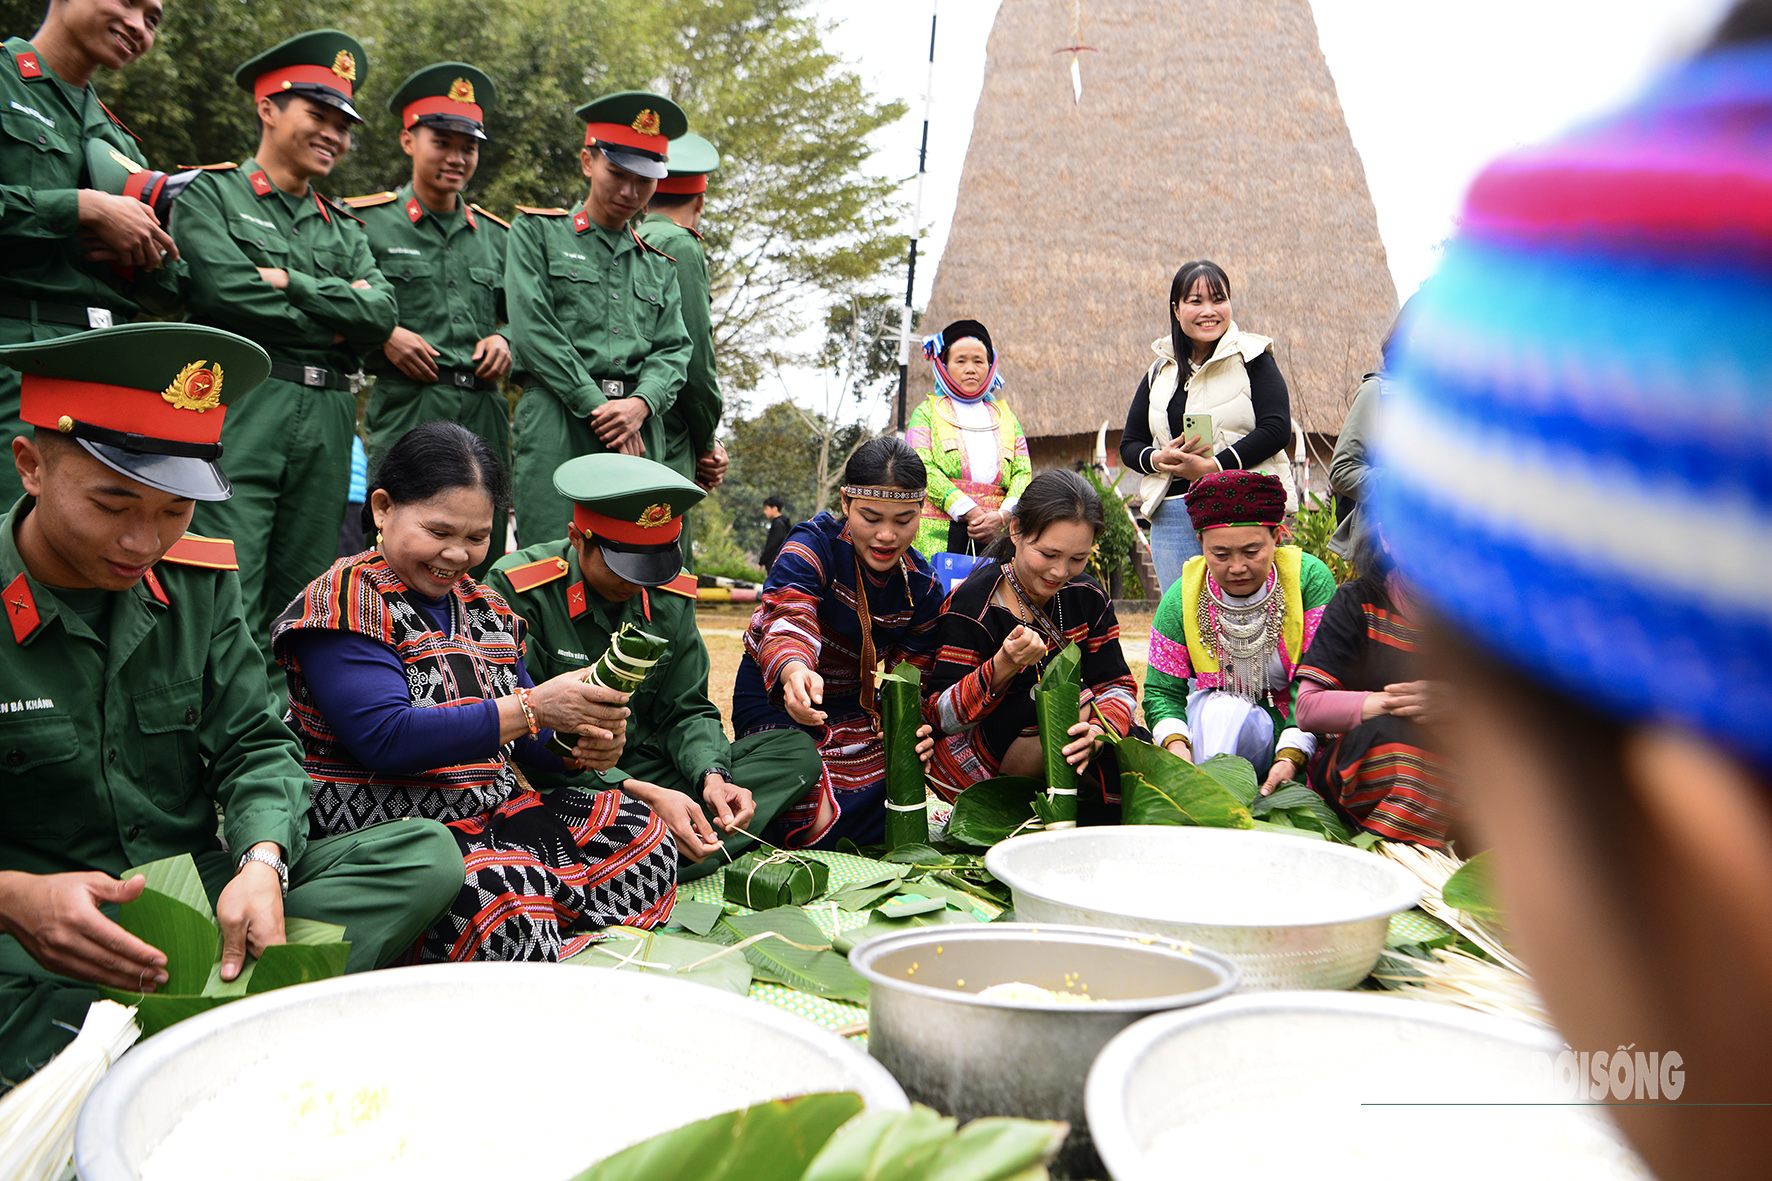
[(979, 724), (543, 874), (1381, 772), (1178, 655), (809, 611), (939, 430)]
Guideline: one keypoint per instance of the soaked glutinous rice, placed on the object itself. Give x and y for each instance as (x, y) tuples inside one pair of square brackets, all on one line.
[(349, 1103)]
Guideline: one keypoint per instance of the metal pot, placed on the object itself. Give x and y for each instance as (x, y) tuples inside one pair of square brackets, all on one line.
[(1343, 898), (970, 1057), (501, 1016), (1324, 1084)]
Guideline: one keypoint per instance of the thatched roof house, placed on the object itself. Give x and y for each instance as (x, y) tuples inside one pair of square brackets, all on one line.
[(1205, 129)]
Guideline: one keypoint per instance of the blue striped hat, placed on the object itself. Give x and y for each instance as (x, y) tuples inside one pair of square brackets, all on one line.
[(1579, 452)]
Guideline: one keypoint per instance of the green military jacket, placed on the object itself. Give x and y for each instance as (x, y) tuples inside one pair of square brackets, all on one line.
[(589, 304), (44, 127), (116, 749), (570, 626), (232, 220), (448, 272), (695, 418)]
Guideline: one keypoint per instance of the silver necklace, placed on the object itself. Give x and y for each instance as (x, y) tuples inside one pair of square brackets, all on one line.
[(1243, 638), (1051, 631)]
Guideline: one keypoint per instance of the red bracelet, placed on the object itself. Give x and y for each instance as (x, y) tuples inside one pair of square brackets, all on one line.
[(528, 713)]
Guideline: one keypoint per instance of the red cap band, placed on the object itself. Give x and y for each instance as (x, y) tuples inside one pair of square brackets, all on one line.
[(695, 182), (626, 532), (622, 136), (440, 105), (270, 83), (45, 401)]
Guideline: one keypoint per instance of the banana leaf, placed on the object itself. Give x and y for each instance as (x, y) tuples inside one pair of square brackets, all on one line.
[(1302, 808), (906, 905), (623, 667), (993, 810), (871, 891), (1233, 773), (773, 1141), (1157, 787), (901, 714), (173, 914), (847, 941), (801, 959), (920, 1145), (659, 954), (698, 918), (763, 882), (1057, 701), (1472, 889)]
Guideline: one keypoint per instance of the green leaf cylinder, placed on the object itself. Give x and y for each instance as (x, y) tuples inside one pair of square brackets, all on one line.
[(907, 807), (1057, 702)]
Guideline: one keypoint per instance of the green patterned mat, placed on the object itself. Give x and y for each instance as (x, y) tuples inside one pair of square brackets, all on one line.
[(846, 870)]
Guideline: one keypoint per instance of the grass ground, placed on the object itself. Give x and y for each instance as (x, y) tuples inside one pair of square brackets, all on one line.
[(723, 625)]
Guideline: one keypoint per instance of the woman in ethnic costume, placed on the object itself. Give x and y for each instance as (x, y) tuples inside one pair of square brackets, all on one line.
[(847, 597), (409, 693), (1229, 634), (1359, 685), (999, 630), (970, 443)]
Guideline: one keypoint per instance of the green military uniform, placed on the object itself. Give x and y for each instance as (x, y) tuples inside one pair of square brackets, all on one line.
[(288, 443), (690, 425), (47, 286), (674, 735), (448, 272), (594, 314), (128, 718)]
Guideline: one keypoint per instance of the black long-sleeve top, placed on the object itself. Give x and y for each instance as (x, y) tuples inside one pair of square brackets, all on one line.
[(772, 542), (1273, 423)]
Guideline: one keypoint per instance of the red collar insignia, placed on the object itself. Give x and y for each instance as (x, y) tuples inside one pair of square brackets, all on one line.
[(414, 210), (21, 609), (29, 67), (468, 212), (575, 600), (581, 221), (155, 589), (261, 184)]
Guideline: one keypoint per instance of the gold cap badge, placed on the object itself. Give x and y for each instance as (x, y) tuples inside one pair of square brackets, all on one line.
[(345, 66), (646, 123), (654, 516), (461, 91), (195, 388)]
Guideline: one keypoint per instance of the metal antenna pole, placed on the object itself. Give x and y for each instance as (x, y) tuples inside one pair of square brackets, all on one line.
[(910, 283)]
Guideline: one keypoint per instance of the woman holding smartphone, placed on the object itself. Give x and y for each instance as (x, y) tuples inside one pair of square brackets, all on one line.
[(1213, 401)]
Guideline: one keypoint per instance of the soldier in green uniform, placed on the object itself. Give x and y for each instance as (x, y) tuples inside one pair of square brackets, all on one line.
[(75, 258), (596, 315), (446, 260), (673, 224), (621, 563), (272, 260), (132, 698)]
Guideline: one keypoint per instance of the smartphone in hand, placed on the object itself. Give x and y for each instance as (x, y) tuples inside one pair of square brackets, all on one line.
[(1198, 426)]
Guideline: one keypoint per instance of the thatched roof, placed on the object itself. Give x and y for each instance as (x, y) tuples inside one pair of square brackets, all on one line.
[(1206, 129)]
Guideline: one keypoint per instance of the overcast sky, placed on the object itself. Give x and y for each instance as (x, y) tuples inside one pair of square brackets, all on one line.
[(1432, 90)]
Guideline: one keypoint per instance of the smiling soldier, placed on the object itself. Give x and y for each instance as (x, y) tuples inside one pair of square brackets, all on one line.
[(446, 260), (596, 313), (277, 263)]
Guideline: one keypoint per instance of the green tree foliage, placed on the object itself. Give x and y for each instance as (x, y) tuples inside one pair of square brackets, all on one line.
[(790, 214), (774, 453)]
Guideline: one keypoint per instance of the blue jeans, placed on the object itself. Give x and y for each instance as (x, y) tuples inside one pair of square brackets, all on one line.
[(1173, 540)]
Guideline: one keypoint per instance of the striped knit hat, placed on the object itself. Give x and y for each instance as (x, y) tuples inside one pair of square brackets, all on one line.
[(1579, 452)]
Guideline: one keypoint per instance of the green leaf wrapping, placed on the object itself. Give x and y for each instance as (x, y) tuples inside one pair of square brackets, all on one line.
[(1304, 808), (1472, 890), (178, 879), (763, 882), (190, 941), (848, 941), (1157, 787), (660, 954), (994, 809), (920, 1145), (1057, 704), (820, 970), (623, 667), (907, 803), (773, 1141), (698, 918)]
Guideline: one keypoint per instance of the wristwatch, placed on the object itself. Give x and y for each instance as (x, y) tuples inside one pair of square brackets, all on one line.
[(716, 769), (270, 859)]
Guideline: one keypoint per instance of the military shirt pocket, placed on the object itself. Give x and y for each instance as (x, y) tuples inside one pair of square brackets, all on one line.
[(648, 310), (34, 803), (169, 760), (262, 245), (483, 292), (50, 161), (335, 261), (577, 289)]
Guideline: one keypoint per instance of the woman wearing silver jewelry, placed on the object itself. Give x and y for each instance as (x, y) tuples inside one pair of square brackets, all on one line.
[(1231, 631)]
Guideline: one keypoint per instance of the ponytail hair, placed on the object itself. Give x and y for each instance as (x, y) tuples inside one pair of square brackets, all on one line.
[(1051, 498)]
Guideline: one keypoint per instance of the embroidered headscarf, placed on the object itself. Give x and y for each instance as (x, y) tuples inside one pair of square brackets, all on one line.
[(935, 349), (1235, 497), (1578, 483)]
